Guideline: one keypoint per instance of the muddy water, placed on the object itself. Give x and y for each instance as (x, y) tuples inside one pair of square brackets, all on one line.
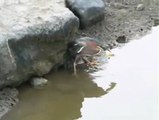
[(125, 89)]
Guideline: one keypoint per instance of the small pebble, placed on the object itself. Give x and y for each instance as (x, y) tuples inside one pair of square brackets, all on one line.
[(140, 7), (38, 81), (156, 21), (121, 39)]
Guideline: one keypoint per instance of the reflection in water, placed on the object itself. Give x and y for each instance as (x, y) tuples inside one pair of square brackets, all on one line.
[(61, 99), (112, 85)]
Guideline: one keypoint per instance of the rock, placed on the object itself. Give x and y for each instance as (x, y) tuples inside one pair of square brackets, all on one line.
[(8, 99), (33, 38), (156, 21), (140, 7), (121, 39), (38, 82), (88, 11)]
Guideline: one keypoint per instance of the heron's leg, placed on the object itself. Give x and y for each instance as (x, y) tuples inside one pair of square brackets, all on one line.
[(74, 68), (75, 64)]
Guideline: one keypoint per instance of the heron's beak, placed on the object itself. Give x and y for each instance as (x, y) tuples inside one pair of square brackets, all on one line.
[(109, 54)]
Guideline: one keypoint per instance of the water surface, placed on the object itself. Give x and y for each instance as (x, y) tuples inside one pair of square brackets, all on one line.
[(126, 89)]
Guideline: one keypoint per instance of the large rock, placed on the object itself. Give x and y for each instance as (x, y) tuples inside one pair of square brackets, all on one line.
[(33, 37), (88, 11)]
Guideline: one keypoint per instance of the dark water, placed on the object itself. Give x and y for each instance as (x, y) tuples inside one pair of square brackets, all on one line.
[(126, 89)]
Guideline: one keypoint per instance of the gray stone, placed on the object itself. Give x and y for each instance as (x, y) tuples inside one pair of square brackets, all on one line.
[(33, 38), (88, 11), (156, 21), (140, 7), (122, 39), (38, 82)]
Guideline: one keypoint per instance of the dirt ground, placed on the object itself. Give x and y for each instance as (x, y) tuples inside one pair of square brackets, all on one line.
[(125, 18)]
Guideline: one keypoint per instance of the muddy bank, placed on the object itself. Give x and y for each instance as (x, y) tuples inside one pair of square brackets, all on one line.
[(124, 18), (8, 99)]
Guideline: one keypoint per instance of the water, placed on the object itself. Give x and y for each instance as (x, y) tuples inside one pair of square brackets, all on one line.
[(126, 89)]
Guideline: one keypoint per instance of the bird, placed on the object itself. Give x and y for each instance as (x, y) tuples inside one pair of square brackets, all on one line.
[(82, 49)]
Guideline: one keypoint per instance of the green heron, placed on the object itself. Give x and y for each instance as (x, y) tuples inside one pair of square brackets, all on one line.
[(82, 49)]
